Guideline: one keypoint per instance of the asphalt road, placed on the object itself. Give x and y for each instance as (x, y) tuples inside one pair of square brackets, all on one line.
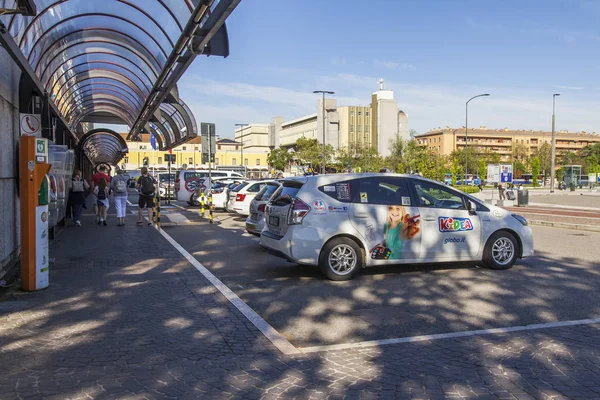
[(558, 284)]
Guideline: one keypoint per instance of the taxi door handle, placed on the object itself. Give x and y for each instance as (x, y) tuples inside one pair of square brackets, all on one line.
[(361, 215), (428, 218)]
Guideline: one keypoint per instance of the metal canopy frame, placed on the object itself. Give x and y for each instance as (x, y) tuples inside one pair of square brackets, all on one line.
[(120, 58)]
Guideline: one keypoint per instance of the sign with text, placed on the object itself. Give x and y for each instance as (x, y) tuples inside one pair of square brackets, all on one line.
[(493, 173), (505, 173), (208, 130), (31, 124)]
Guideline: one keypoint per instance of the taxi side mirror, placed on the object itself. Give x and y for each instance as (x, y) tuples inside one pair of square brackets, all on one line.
[(472, 207)]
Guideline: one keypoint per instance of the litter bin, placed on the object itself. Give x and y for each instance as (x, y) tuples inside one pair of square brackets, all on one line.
[(572, 186), (522, 197)]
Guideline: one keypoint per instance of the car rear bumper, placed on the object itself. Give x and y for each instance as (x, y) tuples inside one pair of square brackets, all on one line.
[(290, 248), (254, 227)]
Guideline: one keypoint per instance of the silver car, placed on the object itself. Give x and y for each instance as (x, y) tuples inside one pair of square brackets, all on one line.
[(345, 222), (256, 220)]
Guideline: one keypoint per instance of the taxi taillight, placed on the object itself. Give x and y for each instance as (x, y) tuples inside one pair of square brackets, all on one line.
[(299, 210)]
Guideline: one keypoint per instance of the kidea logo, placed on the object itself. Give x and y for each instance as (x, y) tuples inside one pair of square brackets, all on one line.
[(449, 224)]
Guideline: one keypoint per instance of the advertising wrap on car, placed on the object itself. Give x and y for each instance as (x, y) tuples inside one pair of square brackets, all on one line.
[(395, 234)]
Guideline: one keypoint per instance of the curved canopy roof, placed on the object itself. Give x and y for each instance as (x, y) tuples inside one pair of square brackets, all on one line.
[(120, 58), (103, 146)]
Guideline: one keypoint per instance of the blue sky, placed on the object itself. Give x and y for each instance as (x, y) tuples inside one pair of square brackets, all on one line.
[(435, 54)]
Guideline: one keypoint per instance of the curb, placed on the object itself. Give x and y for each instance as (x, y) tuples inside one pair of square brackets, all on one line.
[(564, 225)]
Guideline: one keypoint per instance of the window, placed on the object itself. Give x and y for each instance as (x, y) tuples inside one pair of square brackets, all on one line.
[(183, 148), (384, 190), (190, 160), (196, 148), (366, 113), (219, 147), (359, 113), (367, 128), (258, 161), (160, 160), (351, 128), (126, 160), (352, 113), (236, 147), (216, 161), (437, 196), (360, 128), (234, 162), (245, 161), (255, 188)]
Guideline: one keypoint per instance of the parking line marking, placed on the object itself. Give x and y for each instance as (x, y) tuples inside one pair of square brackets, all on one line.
[(270, 333), (129, 203), (452, 335)]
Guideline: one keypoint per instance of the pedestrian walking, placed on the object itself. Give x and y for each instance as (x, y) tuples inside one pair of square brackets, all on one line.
[(501, 192), (101, 191), (146, 186), (118, 186), (77, 196), (95, 180)]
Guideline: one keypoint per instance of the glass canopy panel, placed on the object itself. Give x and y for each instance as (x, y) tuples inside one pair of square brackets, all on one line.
[(98, 96), (110, 109), (61, 17), (159, 132), (142, 82), (91, 90), (169, 129), (72, 83), (92, 104), (94, 58), (124, 40), (192, 118), (85, 83)]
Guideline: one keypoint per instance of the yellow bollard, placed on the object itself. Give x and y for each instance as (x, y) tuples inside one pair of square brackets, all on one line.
[(154, 209), (158, 212), (210, 205), (202, 202)]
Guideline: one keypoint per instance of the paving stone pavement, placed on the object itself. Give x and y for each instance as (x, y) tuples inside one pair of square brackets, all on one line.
[(127, 317)]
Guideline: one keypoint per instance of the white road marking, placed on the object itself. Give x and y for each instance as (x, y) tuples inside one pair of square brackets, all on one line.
[(275, 337), (452, 335), (177, 217), (129, 203)]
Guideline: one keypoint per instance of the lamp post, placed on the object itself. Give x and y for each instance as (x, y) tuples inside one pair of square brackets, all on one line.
[(552, 166), (324, 92), (242, 126), (467, 133)]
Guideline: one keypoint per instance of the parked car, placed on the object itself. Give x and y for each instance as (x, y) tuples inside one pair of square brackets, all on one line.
[(244, 194), (256, 220), (231, 194), (133, 178), (166, 184), (187, 181), (219, 191), (345, 222)]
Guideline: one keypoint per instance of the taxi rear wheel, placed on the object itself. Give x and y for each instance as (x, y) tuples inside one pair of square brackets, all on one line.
[(501, 251), (340, 259)]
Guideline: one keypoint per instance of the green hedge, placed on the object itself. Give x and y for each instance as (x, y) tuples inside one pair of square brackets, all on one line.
[(467, 188)]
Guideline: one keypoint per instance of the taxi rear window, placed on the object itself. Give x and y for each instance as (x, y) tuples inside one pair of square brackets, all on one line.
[(341, 191), (287, 193)]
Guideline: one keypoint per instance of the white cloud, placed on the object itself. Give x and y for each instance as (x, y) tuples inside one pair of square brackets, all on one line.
[(570, 87), (394, 65), (428, 106)]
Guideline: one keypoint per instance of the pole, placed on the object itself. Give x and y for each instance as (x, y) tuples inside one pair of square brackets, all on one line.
[(553, 166), (169, 183), (210, 174), (242, 147), (464, 179), (158, 211), (323, 160)]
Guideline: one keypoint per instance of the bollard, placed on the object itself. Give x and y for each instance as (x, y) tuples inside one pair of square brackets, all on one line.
[(158, 212), (210, 205), (202, 202), (154, 209)]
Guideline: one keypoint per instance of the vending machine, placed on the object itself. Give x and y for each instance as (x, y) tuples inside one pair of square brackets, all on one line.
[(34, 187)]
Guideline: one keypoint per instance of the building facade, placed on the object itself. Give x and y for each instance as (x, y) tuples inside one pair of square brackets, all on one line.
[(189, 155), (351, 127), (501, 141), (254, 137)]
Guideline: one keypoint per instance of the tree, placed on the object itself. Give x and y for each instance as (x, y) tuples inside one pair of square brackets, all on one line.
[(568, 158), (309, 152), (456, 169), (404, 156), (535, 170), (544, 154), (519, 153), (279, 158), (412, 133), (482, 168)]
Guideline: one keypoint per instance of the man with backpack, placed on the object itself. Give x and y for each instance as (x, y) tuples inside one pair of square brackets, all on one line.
[(146, 187), (118, 186)]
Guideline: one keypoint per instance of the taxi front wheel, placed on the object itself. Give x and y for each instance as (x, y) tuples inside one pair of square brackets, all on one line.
[(500, 251), (340, 259)]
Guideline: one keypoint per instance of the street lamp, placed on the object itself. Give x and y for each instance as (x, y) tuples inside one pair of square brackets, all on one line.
[(467, 133), (553, 143), (324, 92), (242, 126)]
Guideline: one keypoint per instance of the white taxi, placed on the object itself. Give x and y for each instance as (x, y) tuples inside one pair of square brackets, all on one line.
[(345, 222)]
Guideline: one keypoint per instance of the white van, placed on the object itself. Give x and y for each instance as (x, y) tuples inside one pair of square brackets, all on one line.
[(187, 181)]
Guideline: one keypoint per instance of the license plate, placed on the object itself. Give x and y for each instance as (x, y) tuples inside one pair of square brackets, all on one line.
[(274, 221)]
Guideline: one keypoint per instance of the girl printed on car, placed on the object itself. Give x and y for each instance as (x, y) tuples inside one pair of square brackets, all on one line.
[(399, 226)]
